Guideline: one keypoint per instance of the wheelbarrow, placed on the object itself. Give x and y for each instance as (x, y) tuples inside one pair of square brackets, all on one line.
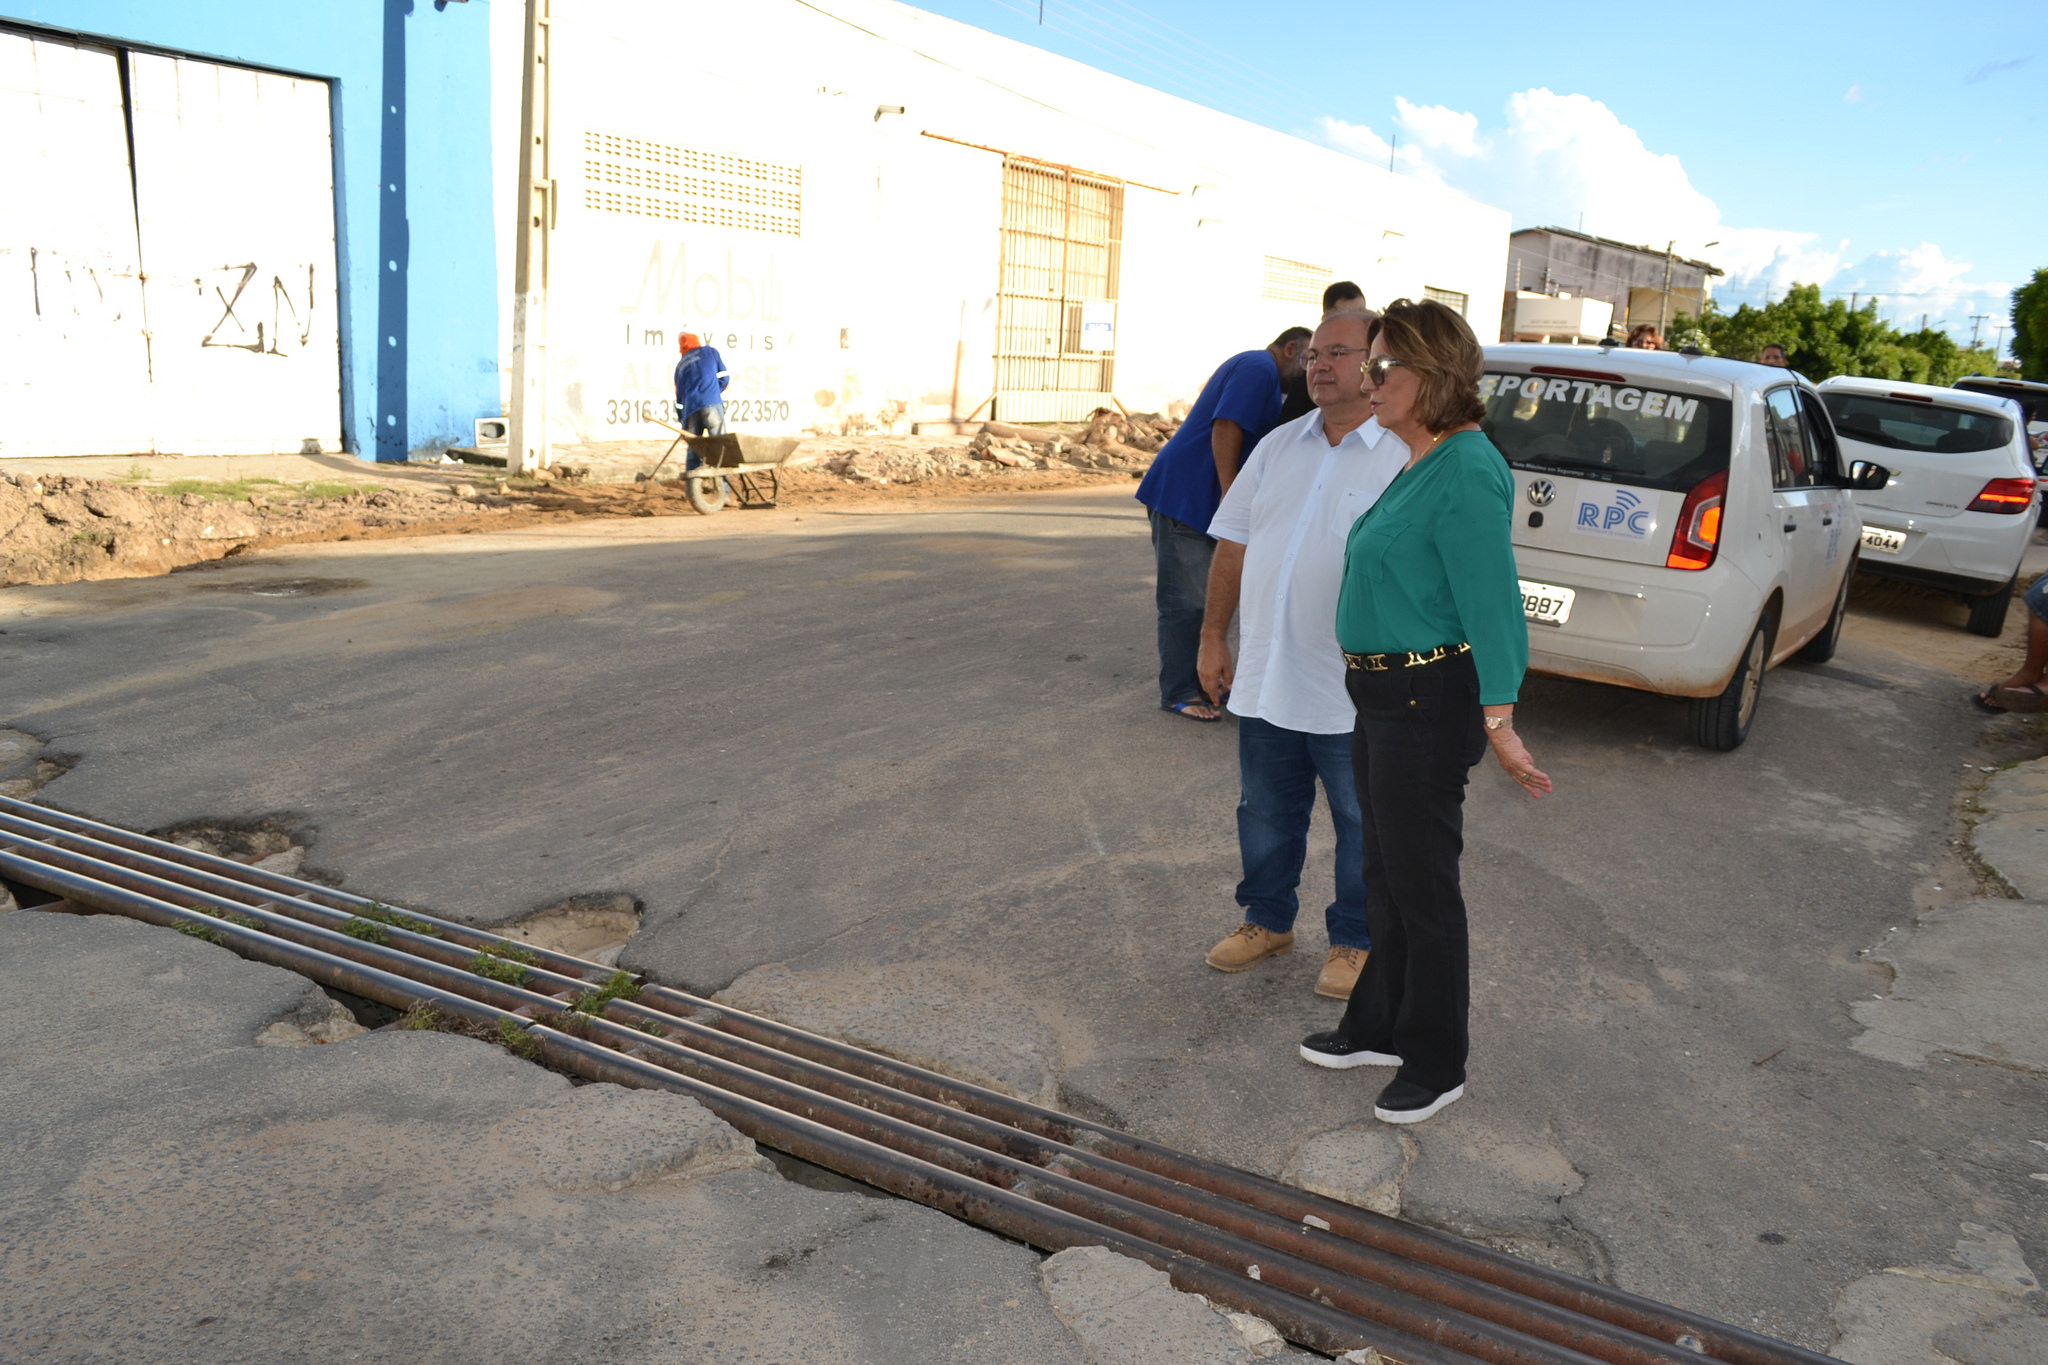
[(734, 465)]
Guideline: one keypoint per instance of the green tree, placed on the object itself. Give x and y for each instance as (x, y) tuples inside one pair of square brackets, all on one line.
[(1824, 338), (2030, 326)]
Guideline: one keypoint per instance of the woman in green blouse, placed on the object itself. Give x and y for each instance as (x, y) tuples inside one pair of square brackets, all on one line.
[(1430, 621)]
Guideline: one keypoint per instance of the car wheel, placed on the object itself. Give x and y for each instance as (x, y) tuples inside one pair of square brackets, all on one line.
[(1987, 612), (1821, 647), (1722, 722)]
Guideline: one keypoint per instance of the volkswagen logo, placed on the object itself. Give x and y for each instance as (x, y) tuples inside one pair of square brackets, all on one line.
[(1542, 492)]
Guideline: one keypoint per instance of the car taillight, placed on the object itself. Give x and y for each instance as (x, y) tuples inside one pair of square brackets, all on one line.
[(2005, 495), (1697, 538)]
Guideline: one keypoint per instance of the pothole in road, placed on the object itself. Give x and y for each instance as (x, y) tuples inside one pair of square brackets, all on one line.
[(289, 587), (595, 927), (275, 843), (26, 766)]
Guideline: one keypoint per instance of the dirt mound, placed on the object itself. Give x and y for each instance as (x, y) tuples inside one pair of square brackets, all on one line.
[(60, 528)]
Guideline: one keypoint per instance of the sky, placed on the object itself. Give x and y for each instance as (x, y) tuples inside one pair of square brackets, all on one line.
[(1892, 149)]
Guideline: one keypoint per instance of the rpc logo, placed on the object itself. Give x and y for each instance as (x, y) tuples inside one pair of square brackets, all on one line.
[(1627, 516)]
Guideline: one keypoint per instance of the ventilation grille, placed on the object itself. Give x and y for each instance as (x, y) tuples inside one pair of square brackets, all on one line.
[(1295, 281), (646, 179)]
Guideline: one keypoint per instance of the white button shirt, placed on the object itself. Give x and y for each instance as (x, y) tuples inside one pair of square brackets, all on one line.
[(1291, 507)]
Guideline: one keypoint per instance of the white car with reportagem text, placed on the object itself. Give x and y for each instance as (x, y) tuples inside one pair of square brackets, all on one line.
[(1682, 522)]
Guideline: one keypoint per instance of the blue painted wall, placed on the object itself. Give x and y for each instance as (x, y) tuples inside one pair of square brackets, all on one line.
[(412, 95)]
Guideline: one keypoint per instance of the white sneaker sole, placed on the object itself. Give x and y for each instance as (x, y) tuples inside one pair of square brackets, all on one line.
[(1441, 1103), (1346, 1063)]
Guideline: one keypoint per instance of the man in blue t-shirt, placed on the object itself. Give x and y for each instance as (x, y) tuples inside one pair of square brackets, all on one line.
[(1238, 406)]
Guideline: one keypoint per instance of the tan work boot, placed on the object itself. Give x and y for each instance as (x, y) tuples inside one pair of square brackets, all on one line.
[(1340, 973), (1247, 946)]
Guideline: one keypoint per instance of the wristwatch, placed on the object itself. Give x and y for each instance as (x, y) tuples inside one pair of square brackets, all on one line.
[(1499, 723)]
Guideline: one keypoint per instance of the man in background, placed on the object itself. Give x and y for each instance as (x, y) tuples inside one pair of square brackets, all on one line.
[(1774, 354), (1238, 406), (701, 378), (1341, 297), (1280, 535)]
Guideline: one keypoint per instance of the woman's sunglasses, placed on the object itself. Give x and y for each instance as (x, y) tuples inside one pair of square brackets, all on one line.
[(1376, 370)]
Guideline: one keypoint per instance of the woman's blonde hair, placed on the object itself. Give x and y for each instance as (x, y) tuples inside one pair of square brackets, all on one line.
[(1437, 344)]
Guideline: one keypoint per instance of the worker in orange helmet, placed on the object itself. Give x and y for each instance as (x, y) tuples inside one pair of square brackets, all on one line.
[(701, 378)]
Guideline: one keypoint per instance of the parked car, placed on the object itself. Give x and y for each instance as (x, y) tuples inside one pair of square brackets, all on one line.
[(2033, 398), (1684, 522), (1960, 509)]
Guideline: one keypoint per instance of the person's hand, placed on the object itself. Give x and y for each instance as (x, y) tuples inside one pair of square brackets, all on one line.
[(1515, 761), (1214, 669)]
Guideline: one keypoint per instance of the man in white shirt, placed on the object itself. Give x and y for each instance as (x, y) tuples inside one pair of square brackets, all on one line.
[(1279, 561)]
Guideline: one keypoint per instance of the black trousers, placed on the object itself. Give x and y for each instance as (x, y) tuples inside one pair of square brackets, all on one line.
[(1418, 733)]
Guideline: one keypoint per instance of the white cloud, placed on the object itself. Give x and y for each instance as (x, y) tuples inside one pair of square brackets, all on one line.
[(1439, 129), (1554, 157), (1853, 95)]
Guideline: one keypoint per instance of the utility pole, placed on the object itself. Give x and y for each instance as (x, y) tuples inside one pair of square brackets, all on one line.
[(1977, 321), (1997, 342), (1664, 306), (527, 436)]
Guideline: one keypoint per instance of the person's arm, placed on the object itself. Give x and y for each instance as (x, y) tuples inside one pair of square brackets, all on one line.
[(1213, 664), (1226, 445), (1474, 538)]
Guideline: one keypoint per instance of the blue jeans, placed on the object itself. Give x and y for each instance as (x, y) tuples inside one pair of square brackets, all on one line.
[(703, 422), (1277, 770), (1183, 554)]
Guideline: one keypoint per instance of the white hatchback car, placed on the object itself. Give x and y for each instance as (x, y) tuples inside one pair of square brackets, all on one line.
[(1684, 522), (1959, 511)]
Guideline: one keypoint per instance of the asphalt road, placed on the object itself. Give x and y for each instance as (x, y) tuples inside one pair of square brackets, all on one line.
[(919, 741)]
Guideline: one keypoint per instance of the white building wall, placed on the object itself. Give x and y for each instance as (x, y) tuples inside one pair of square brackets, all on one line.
[(890, 289)]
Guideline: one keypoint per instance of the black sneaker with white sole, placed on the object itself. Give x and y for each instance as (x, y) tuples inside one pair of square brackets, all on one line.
[(1406, 1102), (1339, 1053)]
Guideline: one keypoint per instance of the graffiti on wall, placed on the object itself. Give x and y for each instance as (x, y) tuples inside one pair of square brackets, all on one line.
[(240, 326)]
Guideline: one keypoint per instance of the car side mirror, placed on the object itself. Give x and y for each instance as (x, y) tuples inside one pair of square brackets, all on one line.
[(1867, 476)]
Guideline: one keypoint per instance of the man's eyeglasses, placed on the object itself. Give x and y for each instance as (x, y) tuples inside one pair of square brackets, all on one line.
[(1376, 371), (1335, 355)]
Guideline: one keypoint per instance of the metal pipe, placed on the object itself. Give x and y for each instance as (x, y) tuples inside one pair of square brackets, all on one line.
[(1186, 1220), (1301, 1320), (1617, 1307), (144, 872), (277, 883), (1304, 1239), (387, 988), (69, 874)]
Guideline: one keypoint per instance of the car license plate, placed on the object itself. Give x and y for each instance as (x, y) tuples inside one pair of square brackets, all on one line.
[(1546, 603), (1879, 539)]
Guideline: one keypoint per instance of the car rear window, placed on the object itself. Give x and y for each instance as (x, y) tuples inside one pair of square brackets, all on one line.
[(1591, 428), (1903, 424)]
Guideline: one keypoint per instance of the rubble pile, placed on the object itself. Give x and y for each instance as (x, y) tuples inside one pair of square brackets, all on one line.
[(1111, 442), (886, 465)]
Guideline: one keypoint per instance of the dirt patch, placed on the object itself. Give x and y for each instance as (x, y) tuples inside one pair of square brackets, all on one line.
[(62, 528), (595, 928)]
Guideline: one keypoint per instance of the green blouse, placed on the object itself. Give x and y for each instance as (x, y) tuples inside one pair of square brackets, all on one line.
[(1433, 563)]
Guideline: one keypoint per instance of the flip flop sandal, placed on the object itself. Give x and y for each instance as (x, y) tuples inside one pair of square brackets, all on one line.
[(2027, 697), (1180, 708), (1987, 701)]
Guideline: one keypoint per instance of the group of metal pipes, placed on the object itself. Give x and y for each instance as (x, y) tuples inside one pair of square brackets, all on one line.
[(1327, 1275)]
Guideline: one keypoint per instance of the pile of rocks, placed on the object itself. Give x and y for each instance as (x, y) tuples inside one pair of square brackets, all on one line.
[(1112, 441), (879, 464)]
